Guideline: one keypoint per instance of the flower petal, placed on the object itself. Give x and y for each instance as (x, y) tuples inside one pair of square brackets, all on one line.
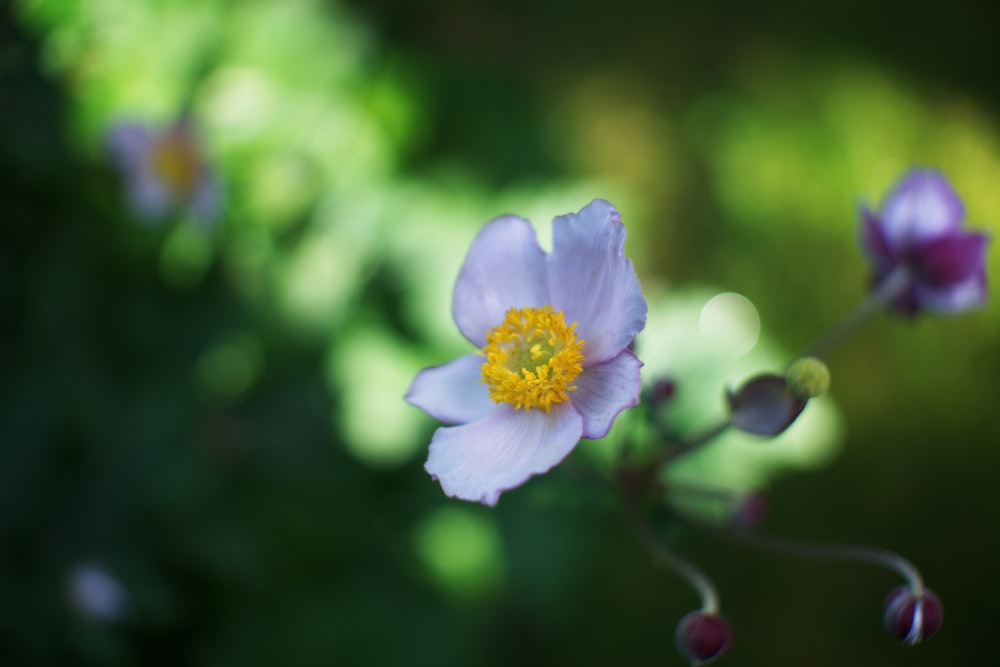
[(130, 147), (481, 460), (969, 293), (148, 196), (505, 268), (921, 207), (592, 281), (949, 260), (873, 241), (452, 393), (129, 144), (604, 390), (207, 198)]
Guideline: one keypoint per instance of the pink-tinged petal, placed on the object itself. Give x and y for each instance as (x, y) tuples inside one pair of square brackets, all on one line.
[(452, 393), (949, 260), (592, 281), (605, 390), (481, 460), (129, 145), (970, 293), (207, 198), (147, 195), (921, 207), (505, 268), (873, 241)]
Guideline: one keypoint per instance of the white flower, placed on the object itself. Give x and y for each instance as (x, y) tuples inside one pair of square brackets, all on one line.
[(553, 364)]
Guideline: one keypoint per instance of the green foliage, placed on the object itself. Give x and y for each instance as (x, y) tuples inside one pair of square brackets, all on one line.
[(215, 416)]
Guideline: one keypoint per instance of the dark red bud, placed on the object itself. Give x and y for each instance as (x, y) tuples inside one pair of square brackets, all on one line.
[(911, 618), (749, 511), (703, 636), (663, 390)]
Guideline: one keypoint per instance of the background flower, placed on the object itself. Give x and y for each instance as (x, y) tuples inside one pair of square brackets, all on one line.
[(919, 230), (164, 170)]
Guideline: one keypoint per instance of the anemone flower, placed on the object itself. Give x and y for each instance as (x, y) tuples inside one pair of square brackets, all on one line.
[(164, 170), (919, 250), (552, 364)]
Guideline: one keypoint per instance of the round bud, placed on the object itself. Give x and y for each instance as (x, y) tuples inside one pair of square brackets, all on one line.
[(808, 377), (911, 618), (662, 390), (764, 406), (747, 512), (703, 636)]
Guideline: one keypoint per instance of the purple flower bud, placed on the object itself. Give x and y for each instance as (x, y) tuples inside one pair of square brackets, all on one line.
[(918, 231), (912, 618), (703, 636), (663, 390), (764, 405), (749, 511)]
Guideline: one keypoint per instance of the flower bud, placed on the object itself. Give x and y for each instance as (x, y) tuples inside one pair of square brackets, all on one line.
[(808, 377), (703, 636), (764, 406), (747, 512), (662, 391), (911, 618)]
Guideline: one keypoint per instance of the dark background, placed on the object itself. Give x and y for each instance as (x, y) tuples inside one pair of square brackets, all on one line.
[(247, 532)]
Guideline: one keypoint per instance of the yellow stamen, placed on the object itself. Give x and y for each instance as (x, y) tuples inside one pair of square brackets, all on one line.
[(531, 358), (176, 162)]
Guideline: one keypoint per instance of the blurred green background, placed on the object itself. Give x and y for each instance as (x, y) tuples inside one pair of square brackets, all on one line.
[(213, 418)]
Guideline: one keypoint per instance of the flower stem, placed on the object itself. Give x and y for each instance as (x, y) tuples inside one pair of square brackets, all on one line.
[(683, 567), (684, 446), (892, 286), (844, 552)]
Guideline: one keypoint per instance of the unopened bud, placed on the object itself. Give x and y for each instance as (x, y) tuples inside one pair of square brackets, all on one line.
[(703, 636), (748, 511), (663, 390), (911, 618), (808, 377), (764, 406)]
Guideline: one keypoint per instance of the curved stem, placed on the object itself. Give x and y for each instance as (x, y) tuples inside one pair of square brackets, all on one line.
[(854, 552), (683, 567), (892, 286)]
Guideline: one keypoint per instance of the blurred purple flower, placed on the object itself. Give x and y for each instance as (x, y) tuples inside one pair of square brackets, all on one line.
[(96, 594), (165, 170), (917, 239), (519, 405)]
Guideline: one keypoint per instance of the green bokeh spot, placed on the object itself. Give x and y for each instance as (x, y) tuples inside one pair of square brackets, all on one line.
[(230, 369), (461, 549)]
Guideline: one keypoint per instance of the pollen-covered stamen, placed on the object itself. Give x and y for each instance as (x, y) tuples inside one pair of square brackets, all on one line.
[(532, 358), (176, 161)]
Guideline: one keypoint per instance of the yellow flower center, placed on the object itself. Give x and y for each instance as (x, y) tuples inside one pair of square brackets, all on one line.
[(175, 161), (531, 358)]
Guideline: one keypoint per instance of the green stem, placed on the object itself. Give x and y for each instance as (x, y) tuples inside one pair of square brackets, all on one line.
[(683, 447), (851, 552), (890, 289), (685, 569)]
